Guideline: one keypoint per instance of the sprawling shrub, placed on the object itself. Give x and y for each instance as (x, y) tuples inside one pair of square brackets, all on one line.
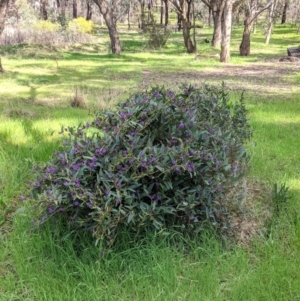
[(46, 26), (157, 34), (161, 159), (81, 25)]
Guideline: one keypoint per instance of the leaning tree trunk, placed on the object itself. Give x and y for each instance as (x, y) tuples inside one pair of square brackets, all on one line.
[(3, 12), (111, 24), (271, 21), (226, 32)]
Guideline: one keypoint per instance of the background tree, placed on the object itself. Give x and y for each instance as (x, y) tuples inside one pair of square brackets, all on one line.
[(284, 11), (184, 11), (251, 14), (3, 13), (109, 10), (271, 20)]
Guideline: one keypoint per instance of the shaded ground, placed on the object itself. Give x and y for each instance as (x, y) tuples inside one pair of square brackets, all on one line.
[(264, 78)]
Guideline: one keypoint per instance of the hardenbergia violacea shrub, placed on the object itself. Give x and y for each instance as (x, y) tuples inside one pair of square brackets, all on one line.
[(162, 159)]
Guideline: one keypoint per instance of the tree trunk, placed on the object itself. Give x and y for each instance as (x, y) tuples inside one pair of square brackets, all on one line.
[(143, 18), (161, 12), (217, 35), (270, 21), (75, 14), (186, 30), (128, 15), (179, 22), (245, 44), (89, 11), (285, 8), (3, 12), (209, 16), (226, 32), (166, 12), (111, 23), (44, 10)]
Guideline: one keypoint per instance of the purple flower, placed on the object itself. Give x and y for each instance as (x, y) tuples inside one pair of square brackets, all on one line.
[(119, 185), (219, 188), (76, 203), (22, 198), (75, 167), (92, 164), (117, 202), (50, 210), (156, 94), (50, 170), (87, 124), (152, 159), (100, 152), (89, 204), (192, 217), (181, 126), (32, 221), (43, 218)]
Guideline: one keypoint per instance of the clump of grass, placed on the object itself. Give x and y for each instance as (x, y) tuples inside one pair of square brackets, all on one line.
[(78, 100)]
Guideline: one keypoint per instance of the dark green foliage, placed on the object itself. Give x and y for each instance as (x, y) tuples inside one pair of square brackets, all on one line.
[(162, 159), (280, 197)]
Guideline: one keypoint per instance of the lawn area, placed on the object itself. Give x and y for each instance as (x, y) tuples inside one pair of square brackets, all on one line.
[(36, 92)]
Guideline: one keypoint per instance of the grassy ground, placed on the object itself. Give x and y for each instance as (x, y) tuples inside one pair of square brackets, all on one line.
[(36, 91)]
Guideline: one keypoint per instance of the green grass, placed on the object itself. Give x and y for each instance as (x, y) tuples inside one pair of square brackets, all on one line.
[(35, 95)]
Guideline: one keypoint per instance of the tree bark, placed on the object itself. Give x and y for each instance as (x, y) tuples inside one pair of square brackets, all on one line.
[(209, 16), (161, 12), (3, 13), (217, 19), (284, 12), (270, 21), (246, 43), (226, 32), (44, 10), (75, 11), (184, 9), (111, 23), (89, 11), (166, 12)]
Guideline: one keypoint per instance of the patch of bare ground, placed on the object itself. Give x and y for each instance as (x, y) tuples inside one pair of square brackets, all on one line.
[(251, 217)]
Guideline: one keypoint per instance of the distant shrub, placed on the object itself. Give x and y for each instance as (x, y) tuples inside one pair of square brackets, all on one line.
[(157, 34), (47, 26), (81, 25), (162, 159)]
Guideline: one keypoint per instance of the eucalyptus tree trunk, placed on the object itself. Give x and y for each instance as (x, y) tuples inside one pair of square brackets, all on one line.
[(44, 10), (226, 31), (183, 9), (271, 21), (217, 35), (3, 13), (250, 17), (107, 10), (284, 12), (75, 10), (166, 12), (89, 11)]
